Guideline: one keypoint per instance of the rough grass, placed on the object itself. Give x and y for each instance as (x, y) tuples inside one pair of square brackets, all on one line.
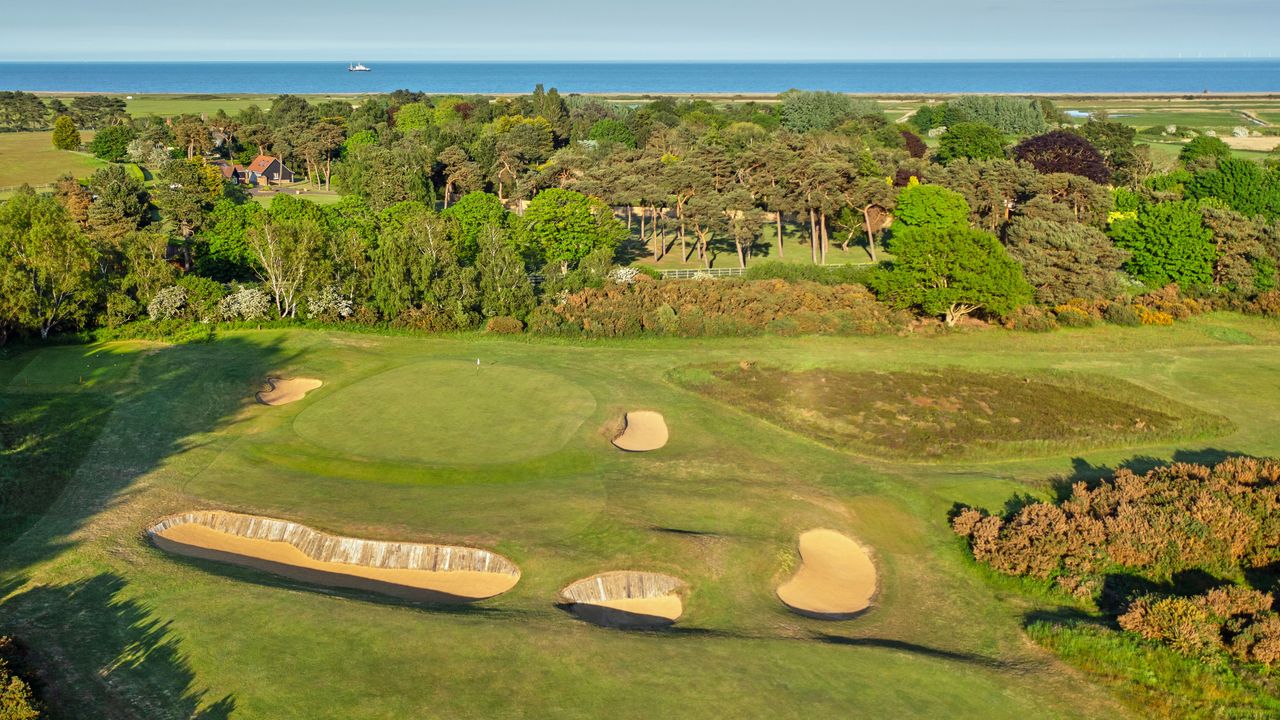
[(952, 413), (30, 158)]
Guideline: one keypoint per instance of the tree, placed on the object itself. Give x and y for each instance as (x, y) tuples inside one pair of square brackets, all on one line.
[(415, 269), (473, 216), (65, 134), (112, 143), (609, 130), (21, 111), (189, 132), (952, 272), (284, 251), (413, 116), (1066, 260), (931, 206), (1204, 147), (185, 195), (46, 264), (505, 288), (119, 204), (806, 111), (1242, 184), (1116, 143), (460, 172), (563, 226), (1170, 244), (1009, 115), (974, 141), (1063, 151)]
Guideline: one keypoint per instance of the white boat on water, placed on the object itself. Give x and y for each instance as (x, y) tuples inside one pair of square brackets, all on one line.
[(358, 68)]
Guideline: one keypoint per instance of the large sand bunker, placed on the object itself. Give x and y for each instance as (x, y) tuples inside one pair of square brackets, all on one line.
[(412, 571), (626, 598), (836, 578), (280, 391), (643, 430)]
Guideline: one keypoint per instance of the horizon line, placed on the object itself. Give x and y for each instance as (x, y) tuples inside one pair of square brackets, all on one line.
[(729, 61)]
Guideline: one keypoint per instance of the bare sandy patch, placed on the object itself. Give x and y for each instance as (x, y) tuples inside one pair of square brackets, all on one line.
[(1258, 144), (836, 579), (626, 598), (411, 571), (279, 391), (644, 430)]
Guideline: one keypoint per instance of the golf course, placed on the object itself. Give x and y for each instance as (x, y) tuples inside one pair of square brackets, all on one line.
[(318, 524)]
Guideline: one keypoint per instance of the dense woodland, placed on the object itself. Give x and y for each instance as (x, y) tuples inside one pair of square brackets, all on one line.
[(457, 211)]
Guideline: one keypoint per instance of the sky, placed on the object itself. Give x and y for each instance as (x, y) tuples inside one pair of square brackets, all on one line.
[(586, 30)]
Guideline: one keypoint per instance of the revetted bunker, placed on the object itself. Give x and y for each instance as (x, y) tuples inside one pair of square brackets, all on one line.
[(836, 579), (411, 571), (626, 598), (642, 431), (279, 391)]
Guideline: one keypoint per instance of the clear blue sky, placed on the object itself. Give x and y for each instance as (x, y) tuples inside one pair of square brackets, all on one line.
[(636, 29)]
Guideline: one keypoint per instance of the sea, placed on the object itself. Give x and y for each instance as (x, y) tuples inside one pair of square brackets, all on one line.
[(1056, 77)]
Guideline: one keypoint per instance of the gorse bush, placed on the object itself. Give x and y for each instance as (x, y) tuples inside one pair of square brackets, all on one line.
[(722, 307)]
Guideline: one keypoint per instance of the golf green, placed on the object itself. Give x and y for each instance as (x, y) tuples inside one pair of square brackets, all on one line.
[(449, 413)]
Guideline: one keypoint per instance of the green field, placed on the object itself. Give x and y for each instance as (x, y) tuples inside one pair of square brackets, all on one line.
[(30, 158), (408, 439)]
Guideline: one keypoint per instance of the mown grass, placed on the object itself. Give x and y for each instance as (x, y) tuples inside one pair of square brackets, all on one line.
[(119, 629), (30, 158), (952, 413)]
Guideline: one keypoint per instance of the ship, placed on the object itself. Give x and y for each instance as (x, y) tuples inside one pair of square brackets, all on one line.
[(358, 68)]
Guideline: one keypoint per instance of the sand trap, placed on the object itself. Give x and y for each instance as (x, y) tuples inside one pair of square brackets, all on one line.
[(412, 571), (643, 430), (836, 578), (626, 598), (282, 392)]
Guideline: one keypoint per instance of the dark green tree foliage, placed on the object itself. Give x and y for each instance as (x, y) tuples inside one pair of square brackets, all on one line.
[(226, 255), (119, 204), (1116, 143), (929, 117), (1009, 115), (952, 272), (931, 206), (613, 131), (1242, 184), (563, 227), (1204, 147), (97, 111), (473, 215), (65, 134), (21, 111), (971, 141), (383, 176), (505, 288), (804, 110), (1062, 151), (1169, 244), (111, 143), (1065, 260), (1246, 251), (416, 276)]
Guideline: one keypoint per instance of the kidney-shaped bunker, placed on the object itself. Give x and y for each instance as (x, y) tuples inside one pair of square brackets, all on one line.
[(643, 430), (836, 579), (412, 571), (626, 598), (280, 391)]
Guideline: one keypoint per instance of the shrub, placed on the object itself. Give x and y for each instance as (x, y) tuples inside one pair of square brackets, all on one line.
[(1267, 304), (65, 134), (1030, 318), (1147, 316), (121, 308), (17, 701), (1121, 314), (723, 307), (1170, 301), (1074, 316), (504, 325), (329, 304), (203, 297), (168, 304), (245, 304)]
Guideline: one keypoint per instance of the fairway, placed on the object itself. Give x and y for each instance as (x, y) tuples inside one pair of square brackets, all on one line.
[(30, 158), (407, 441), (449, 413)]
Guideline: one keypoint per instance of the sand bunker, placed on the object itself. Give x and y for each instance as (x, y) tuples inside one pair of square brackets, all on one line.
[(626, 599), (412, 571), (836, 578), (643, 430), (282, 392)]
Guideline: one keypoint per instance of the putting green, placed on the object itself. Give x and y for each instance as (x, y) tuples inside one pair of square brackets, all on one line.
[(449, 413)]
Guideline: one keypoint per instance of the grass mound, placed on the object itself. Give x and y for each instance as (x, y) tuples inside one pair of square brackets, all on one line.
[(952, 413), (449, 412)]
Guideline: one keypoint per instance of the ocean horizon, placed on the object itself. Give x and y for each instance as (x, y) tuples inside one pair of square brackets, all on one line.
[(1181, 76)]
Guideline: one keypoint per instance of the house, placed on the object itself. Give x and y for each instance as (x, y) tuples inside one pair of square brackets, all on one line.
[(264, 169), (230, 173)]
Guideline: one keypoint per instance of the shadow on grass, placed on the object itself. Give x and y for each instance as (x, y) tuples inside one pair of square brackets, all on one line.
[(1091, 475), (98, 653), (915, 649)]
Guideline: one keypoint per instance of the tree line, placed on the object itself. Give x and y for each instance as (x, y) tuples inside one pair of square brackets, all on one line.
[(449, 203)]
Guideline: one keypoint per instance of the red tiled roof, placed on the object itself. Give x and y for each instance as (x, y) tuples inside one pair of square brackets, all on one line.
[(261, 163)]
